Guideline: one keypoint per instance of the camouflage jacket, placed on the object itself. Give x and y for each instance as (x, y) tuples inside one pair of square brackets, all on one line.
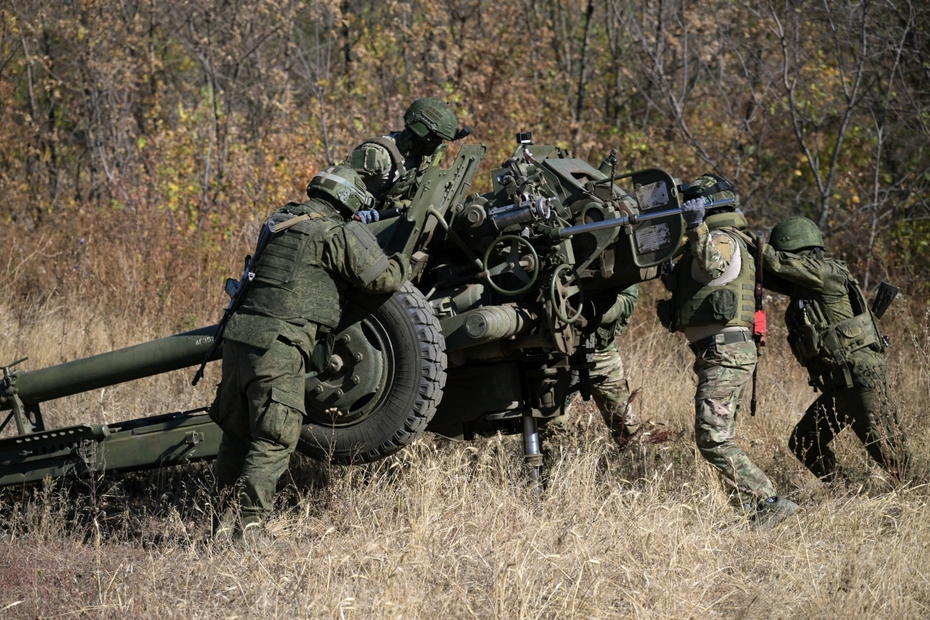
[(614, 312), (829, 325), (304, 273)]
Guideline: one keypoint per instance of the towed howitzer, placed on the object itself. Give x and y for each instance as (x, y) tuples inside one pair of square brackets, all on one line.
[(483, 339)]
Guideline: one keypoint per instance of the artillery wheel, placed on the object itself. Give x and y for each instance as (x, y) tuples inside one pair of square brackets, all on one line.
[(383, 383)]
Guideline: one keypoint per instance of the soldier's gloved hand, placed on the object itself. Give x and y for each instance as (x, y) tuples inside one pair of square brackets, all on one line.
[(367, 216), (693, 212)]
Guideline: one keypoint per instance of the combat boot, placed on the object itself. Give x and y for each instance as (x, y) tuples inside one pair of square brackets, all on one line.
[(774, 510)]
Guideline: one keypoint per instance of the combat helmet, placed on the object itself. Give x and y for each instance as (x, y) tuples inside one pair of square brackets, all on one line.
[(430, 115), (344, 185), (795, 233)]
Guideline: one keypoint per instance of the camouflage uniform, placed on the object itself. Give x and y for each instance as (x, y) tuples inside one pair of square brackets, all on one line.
[(713, 304), (842, 350), (609, 386), (298, 294), (391, 163)]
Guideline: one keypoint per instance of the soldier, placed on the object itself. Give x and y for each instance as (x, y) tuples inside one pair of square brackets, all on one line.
[(712, 303), (297, 296), (609, 386), (833, 334), (391, 163)]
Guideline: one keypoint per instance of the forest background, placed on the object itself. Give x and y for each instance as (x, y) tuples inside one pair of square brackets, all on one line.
[(142, 142)]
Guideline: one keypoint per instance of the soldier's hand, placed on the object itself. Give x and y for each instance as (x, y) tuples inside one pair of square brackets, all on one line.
[(367, 216), (693, 212)]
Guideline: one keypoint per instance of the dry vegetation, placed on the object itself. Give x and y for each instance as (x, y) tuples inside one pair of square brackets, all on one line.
[(133, 169), (455, 530)]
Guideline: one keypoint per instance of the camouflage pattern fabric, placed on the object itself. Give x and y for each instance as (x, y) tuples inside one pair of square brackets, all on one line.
[(260, 407), (611, 392), (866, 407), (260, 402), (375, 164), (609, 386), (856, 392), (723, 373)]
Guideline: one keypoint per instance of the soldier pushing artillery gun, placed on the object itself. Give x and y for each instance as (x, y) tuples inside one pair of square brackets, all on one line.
[(498, 297)]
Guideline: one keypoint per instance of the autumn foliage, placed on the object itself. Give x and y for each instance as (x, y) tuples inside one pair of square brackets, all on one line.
[(143, 141)]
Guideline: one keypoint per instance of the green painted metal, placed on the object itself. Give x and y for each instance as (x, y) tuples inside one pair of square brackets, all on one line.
[(135, 362), (87, 450)]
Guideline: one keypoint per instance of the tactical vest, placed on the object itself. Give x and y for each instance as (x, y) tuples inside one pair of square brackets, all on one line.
[(818, 331), (290, 281), (732, 303)]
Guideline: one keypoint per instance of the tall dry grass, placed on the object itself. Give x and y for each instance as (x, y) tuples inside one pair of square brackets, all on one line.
[(448, 529)]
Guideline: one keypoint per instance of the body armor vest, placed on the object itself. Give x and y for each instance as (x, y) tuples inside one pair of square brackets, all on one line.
[(290, 281), (824, 331), (699, 302)]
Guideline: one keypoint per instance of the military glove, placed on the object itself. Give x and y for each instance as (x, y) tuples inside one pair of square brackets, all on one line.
[(693, 212), (367, 216)]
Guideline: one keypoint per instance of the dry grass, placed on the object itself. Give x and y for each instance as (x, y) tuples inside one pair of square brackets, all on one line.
[(455, 530)]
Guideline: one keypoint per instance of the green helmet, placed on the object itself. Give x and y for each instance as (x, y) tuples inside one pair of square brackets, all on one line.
[(431, 116), (713, 188), (795, 233), (344, 185)]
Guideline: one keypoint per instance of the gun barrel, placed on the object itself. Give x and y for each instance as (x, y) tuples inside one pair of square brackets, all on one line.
[(135, 362), (632, 219)]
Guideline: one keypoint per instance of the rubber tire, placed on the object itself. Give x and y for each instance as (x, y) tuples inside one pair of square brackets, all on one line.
[(415, 389)]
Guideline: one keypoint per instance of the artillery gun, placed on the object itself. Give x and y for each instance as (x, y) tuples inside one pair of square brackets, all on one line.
[(485, 337)]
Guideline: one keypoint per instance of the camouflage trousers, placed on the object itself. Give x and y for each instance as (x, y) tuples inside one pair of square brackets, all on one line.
[(260, 407), (868, 408), (611, 391), (723, 372)]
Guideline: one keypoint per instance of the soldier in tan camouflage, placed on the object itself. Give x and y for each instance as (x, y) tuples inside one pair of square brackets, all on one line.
[(297, 296), (713, 304), (390, 164), (609, 386)]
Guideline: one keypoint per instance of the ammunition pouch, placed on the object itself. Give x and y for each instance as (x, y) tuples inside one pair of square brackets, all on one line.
[(834, 344), (849, 336)]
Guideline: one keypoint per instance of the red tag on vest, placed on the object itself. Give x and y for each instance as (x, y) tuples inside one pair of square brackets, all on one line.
[(758, 327)]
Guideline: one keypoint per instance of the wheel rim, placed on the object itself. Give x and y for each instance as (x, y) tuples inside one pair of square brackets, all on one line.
[(357, 380)]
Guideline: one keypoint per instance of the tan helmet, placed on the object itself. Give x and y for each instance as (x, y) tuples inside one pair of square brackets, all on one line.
[(344, 185)]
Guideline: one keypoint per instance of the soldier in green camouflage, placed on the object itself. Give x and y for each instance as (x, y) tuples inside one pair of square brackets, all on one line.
[(391, 163), (835, 336), (712, 286), (296, 297)]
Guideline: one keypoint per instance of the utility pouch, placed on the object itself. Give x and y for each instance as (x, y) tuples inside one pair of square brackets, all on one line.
[(849, 336), (724, 304), (805, 343)]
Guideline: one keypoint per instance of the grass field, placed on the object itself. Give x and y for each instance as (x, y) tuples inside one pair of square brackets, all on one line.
[(455, 530)]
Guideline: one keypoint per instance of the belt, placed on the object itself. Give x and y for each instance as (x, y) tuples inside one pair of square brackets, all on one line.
[(725, 338)]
